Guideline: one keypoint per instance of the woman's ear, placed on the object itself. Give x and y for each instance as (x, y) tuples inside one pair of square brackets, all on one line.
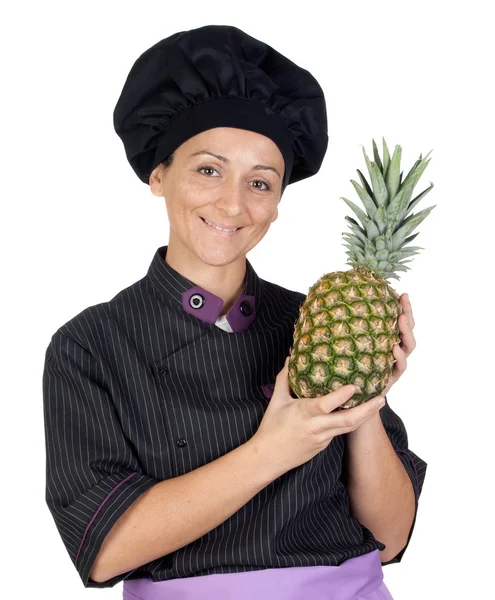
[(155, 181)]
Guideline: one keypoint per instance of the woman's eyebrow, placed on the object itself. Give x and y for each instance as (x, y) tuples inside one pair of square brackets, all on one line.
[(227, 161)]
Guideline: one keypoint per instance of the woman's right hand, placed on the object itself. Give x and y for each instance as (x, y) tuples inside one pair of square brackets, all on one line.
[(293, 430)]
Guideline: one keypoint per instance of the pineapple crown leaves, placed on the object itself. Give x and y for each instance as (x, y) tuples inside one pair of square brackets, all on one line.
[(378, 240)]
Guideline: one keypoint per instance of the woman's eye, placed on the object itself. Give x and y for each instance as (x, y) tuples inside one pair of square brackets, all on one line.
[(205, 168), (267, 185), (268, 188)]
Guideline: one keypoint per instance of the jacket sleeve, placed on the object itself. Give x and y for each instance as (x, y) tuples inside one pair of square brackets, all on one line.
[(92, 472), (415, 466)]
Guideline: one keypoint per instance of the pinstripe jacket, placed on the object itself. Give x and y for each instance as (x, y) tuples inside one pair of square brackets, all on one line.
[(151, 385)]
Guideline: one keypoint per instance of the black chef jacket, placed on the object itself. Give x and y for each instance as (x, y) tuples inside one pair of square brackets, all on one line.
[(146, 387)]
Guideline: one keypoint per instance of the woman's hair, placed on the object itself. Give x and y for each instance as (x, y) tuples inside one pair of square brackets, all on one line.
[(168, 161)]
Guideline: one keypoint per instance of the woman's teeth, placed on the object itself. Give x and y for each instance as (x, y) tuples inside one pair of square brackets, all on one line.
[(219, 228)]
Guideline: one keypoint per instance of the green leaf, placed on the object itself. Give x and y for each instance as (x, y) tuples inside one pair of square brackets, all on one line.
[(410, 238), (392, 178), (414, 175), (408, 219), (360, 256), (353, 222), (415, 201), (418, 171), (366, 199), (369, 245), (380, 219), (355, 225), (380, 243), (413, 168), (386, 158), (362, 216), (368, 164), (356, 253), (377, 156), (353, 240), (392, 276), (398, 204), (390, 230), (400, 254), (358, 231), (380, 191), (410, 226), (414, 248), (366, 186), (371, 230)]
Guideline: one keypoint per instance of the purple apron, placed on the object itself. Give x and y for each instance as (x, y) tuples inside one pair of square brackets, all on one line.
[(359, 578)]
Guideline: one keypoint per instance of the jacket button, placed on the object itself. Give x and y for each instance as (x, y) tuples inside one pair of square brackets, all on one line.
[(196, 301), (163, 370), (180, 442), (246, 308)]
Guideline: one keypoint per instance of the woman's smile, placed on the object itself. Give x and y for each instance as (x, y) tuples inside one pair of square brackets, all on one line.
[(220, 231)]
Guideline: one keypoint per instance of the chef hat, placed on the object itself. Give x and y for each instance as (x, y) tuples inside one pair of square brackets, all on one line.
[(218, 76)]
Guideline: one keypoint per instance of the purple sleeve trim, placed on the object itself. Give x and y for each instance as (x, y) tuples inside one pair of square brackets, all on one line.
[(415, 483), (97, 511)]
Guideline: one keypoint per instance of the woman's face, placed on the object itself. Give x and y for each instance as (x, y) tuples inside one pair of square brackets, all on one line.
[(229, 191)]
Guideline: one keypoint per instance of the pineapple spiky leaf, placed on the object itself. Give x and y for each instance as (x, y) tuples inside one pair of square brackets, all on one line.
[(392, 180), (376, 156), (380, 193), (406, 229), (388, 207), (361, 215), (386, 158), (419, 197), (366, 198), (366, 186)]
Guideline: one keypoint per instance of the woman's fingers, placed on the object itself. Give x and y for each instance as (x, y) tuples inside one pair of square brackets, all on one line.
[(344, 421), (407, 308), (324, 405)]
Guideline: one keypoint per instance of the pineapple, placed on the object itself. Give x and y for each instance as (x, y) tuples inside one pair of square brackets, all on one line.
[(348, 322)]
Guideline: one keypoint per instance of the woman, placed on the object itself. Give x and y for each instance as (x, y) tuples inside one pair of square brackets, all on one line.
[(177, 459)]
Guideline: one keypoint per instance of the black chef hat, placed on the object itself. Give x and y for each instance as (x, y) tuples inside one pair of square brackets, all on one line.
[(218, 76)]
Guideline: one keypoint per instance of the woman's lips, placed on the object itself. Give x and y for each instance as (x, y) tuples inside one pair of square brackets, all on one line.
[(225, 233)]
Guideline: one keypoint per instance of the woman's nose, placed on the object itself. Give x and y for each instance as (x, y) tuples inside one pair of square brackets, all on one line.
[(232, 196)]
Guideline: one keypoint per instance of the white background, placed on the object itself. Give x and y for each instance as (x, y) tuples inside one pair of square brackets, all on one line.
[(78, 226)]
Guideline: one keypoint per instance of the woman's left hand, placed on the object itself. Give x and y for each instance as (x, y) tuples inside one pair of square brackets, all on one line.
[(402, 349)]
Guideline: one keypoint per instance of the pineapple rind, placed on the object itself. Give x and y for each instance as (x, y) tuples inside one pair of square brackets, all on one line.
[(344, 334)]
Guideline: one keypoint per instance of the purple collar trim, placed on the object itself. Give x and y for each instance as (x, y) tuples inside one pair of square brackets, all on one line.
[(199, 302), (205, 305)]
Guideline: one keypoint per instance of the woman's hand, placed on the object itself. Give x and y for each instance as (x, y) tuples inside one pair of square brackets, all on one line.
[(293, 430), (407, 344)]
